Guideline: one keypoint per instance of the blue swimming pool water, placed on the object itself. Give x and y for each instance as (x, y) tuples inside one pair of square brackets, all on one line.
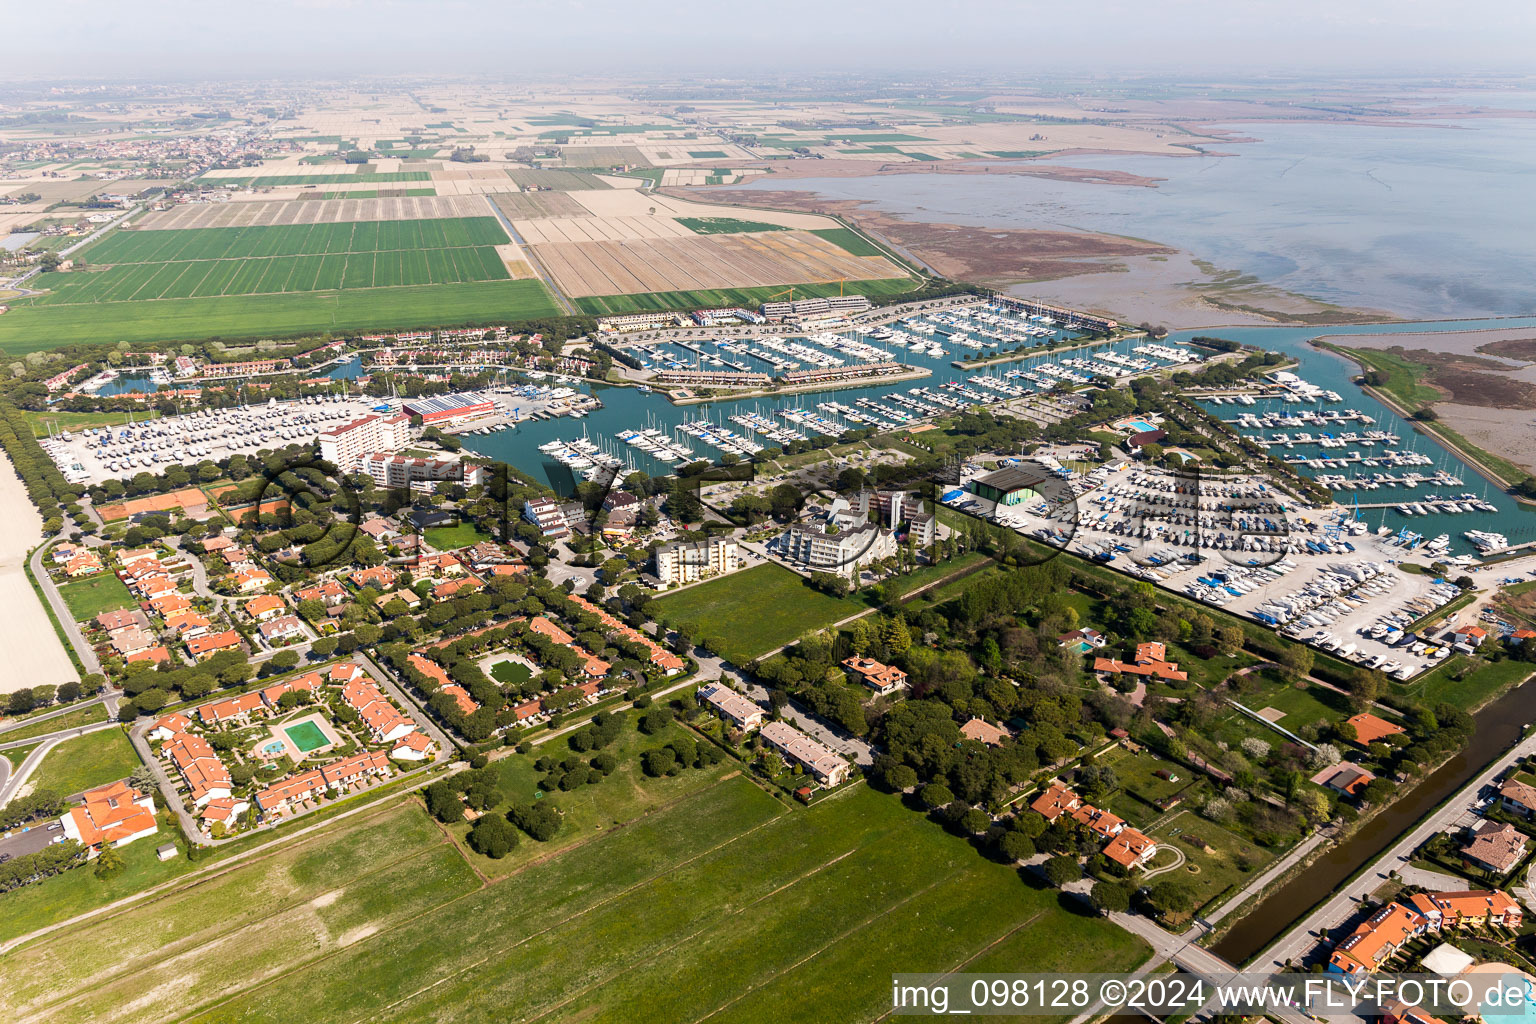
[(1142, 425)]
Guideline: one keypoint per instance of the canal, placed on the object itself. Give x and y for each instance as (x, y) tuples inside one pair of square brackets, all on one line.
[(1499, 725)]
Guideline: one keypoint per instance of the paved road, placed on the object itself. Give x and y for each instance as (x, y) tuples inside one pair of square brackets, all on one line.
[(83, 650), (44, 745), (1296, 943)]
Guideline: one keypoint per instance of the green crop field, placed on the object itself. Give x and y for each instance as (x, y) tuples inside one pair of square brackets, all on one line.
[(208, 262), (90, 597), (752, 611), (722, 905), (29, 328), (707, 154), (602, 305), (726, 225), (850, 240), (84, 762)]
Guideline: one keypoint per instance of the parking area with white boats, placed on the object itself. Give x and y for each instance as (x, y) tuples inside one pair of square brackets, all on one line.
[(118, 452), (1238, 543)]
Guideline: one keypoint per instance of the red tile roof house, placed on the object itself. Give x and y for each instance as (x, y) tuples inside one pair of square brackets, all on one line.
[(1518, 797), (230, 709), (413, 746), (264, 607), (1131, 849), (383, 720), (1368, 728), (249, 581), (112, 815), (743, 713), (467, 704), (883, 679), (156, 654), (169, 726), (380, 577), (1495, 847), (1475, 907), (1472, 636), (343, 672), (349, 771), (281, 796), (204, 647), (187, 624), (329, 593), (284, 627), (1056, 801), (205, 775), (131, 640), (1150, 661), (1349, 780), (1100, 822), (1376, 939), (225, 810), (303, 684), (983, 731), (122, 618)]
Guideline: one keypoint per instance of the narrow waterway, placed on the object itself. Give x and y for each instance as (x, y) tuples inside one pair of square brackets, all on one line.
[(1499, 726)]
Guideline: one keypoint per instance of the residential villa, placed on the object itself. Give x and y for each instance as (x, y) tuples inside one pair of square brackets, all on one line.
[(883, 679), (1131, 849), (1369, 729), (1151, 660), (825, 766), (205, 775), (1055, 801), (111, 815), (1375, 941), (1518, 797), (1494, 846)]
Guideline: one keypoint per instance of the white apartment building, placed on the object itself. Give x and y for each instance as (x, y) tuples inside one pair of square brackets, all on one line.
[(843, 551), (344, 446), (398, 471), (687, 561)]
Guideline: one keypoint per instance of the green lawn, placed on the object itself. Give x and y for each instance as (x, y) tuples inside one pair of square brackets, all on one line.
[(1474, 688), (73, 720), (726, 225), (451, 538), (1211, 874), (84, 762), (90, 597), (602, 305), (1302, 707), (620, 799), (29, 328), (514, 672), (43, 422), (1137, 774), (724, 905), (753, 611)]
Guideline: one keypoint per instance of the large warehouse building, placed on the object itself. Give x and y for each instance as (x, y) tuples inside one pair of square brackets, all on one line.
[(444, 409), (1008, 486)]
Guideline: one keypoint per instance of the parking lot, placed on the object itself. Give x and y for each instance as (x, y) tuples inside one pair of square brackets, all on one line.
[(1239, 544), (103, 453)]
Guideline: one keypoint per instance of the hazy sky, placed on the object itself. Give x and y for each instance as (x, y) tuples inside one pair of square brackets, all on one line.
[(70, 38)]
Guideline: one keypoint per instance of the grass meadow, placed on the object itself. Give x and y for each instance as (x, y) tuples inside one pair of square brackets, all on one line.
[(752, 611), (725, 904), (89, 597), (86, 762), (602, 305)]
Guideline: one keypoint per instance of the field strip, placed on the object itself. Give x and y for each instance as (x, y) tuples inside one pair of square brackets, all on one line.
[(813, 954), (1010, 933), (711, 926), (155, 894), (205, 939)]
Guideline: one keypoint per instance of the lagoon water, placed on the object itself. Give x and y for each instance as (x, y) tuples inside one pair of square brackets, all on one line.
[(1428, 220)]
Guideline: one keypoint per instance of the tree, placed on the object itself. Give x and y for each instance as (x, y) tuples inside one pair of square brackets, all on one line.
[(1366, 687), (936, 794), (540, 820), (493, 836), (893, 633), (285, 660), (109, 863), (659, 762), (1171, 896), (1109, 897), (901, 776), (975, 821), (443, 802), (1016, 846), (1296, 661), (1062, 869), (1229, 640)]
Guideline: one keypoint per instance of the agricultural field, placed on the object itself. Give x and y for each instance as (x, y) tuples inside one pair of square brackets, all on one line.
[(379, 919), (727, 226), (537, 205), (346, 207), (752, 611), (602, 305), (27, 328), (207, 262), (88, 598), (85, 762), (359, 178), (849, 240), (558, 181), (704, 262)]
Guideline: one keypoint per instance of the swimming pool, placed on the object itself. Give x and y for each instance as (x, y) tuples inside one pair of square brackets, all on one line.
[(1142, 426), (306, 736), (273, 748)]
